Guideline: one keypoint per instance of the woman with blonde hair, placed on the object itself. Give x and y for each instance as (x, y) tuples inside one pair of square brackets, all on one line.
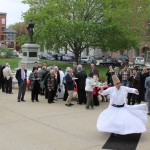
[(51, 86)]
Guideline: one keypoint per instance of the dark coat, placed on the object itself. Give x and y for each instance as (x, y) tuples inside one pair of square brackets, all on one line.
[(69, 82), (81, 79), (18, 75)]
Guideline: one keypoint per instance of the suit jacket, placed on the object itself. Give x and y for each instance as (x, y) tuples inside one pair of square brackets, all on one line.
[(69, 82), (18, 75), (147, 87), (81, 79)]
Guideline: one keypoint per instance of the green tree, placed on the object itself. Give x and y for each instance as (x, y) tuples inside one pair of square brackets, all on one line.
[(79, 24)]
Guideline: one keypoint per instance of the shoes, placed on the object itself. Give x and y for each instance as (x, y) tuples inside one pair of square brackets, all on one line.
[(79, 103), (148, 113), (18, 100), (115, 135), (52, 102), (23, 100), (11, 93), (32, 100), (37, 100), (71, 104), (68, 105)]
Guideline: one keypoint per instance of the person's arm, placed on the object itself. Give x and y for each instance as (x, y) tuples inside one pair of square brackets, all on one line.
[(132, 90), (146, 84), (105, 92)]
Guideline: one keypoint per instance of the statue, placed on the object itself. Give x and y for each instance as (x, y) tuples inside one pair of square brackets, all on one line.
[(30, 31)]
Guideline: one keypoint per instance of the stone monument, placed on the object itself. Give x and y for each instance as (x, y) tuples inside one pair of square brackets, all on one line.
[(30, 50)]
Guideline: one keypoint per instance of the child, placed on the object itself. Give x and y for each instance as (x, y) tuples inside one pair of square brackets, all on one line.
[(89, 90)]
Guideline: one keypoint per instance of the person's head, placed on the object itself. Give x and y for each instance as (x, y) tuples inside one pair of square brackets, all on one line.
[(144, 69), (23, 66), (35, 70), (116, 69), (91, 74), (125, 66), (52, 73), (79, 68), (110, 68), (36, 64), (95, 72), (69, 70), (92, 65), (6, 64), (56, 68), (43, 67), (116, 81), (135, 70), (74, 64)]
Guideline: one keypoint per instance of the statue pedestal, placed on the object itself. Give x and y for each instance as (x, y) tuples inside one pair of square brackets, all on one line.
[(30, 55)]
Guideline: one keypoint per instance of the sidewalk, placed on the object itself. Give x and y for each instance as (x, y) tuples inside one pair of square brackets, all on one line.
[(43, 126)]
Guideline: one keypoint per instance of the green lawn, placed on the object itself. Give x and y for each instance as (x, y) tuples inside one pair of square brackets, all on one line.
[(63, 65)]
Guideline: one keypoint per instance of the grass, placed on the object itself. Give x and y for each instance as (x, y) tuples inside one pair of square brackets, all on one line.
[(63, 65)]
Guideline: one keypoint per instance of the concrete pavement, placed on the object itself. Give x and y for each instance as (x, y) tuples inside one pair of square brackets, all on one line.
[(43, 126)]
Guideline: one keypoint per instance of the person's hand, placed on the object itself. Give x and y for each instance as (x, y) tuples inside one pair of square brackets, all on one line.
[(136, 92)]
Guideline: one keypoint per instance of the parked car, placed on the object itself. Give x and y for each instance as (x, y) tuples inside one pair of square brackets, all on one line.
[(123, 59), (14, 55), (88, 60), (45, 56), (139, 61)]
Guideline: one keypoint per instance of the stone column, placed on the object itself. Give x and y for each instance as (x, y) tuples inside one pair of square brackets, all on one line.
[(30, 55)]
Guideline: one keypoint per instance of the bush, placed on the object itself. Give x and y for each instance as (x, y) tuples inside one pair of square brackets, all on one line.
[(8, 53)]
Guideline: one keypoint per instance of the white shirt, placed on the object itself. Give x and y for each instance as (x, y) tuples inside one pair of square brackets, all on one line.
[(118, 96)]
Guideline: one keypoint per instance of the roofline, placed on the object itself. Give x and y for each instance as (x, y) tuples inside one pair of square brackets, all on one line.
[(3, 13)]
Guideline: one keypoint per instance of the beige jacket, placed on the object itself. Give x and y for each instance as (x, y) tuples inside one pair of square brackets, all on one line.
[(96, 79), (7, 73)]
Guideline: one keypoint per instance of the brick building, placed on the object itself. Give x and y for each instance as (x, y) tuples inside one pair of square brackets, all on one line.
[(2, 28)]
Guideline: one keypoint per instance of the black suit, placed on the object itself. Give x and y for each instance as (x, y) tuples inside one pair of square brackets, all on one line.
[(21, 84), (2, 80), (81, 86)]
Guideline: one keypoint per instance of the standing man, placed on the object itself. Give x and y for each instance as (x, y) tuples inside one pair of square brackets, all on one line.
[(2, 79), (21, 76), (147, 95), (125, 75), (81, 79), (8, 78), (70, 86)]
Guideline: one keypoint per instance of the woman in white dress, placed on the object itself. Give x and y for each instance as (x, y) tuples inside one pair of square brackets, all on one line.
[(120, 118)]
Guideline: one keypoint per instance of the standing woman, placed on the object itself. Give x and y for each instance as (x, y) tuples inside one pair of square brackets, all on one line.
[(109, 74), (95, 93), (51, 86), (35, 84)]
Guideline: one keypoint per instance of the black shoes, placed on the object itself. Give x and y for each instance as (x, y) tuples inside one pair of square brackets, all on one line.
[(148, 113), (68, 105)]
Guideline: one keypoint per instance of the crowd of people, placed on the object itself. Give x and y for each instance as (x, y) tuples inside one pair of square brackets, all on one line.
[(52, 82)]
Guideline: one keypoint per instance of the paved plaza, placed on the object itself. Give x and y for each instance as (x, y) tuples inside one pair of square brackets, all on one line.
[(43, 126)]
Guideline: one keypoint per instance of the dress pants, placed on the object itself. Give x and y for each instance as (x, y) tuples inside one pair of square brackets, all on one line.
[(34, 94), (82, 96), (3, 84), (22, 90), (66, 93), (70, 96), (89, 99), (8, 85)]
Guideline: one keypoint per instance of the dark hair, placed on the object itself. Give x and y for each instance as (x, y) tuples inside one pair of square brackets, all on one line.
[(95, 72), (90, 74), (34, 68)]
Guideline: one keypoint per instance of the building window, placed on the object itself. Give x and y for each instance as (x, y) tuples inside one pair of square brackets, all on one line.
[(3, 20), (3, 28), (2, 37)]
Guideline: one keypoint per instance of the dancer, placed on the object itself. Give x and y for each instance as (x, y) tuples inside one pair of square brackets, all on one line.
[(120, 118)]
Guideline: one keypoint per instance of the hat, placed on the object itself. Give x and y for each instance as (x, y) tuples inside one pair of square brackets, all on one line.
[(115, 79)]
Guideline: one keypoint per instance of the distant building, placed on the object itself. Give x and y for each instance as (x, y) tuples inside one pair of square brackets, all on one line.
[(2, 28)]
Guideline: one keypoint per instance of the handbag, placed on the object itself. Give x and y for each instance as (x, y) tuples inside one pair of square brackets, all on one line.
[(42, 83)]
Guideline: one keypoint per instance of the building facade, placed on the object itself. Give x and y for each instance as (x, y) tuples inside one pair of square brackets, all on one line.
[(2, 28)]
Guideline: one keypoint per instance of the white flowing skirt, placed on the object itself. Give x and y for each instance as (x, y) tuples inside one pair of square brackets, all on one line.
[(125, 120)]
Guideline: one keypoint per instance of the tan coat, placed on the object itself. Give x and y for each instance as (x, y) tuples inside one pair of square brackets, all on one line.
[(7, 73)]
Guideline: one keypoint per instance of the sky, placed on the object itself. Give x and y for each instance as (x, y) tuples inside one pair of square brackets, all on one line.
[(14, 10)]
